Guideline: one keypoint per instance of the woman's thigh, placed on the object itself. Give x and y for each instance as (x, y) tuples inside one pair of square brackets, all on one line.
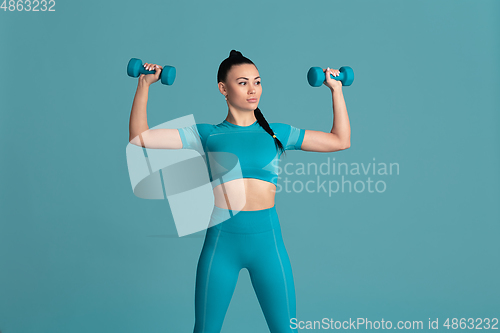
[(271, 275), (216, 277)]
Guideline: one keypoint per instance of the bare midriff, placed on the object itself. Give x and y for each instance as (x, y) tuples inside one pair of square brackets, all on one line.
[(245, 194)]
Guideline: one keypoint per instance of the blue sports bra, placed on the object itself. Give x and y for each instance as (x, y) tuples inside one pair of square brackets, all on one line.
[(233, 152)]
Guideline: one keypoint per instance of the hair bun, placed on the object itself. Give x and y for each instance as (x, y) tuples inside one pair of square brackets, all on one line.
[(235, 53)]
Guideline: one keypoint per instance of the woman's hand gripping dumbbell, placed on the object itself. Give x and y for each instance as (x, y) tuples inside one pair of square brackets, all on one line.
[(316, 76), (135, 68)]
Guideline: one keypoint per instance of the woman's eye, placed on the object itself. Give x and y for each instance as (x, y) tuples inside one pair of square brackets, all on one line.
[(257, 83)]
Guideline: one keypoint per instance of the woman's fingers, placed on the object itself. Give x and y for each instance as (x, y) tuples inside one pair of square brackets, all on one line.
[(151, 67), (157, 70), (334, 72), (329, 80)]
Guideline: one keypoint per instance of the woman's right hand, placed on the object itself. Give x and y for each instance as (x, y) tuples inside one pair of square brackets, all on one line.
[(148, 79)]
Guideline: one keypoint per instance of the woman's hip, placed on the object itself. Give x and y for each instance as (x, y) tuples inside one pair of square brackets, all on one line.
[(244, 221)]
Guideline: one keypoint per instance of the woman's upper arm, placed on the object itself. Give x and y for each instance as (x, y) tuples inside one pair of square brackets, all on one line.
[(161, 138), (321, 142), (290, 137)]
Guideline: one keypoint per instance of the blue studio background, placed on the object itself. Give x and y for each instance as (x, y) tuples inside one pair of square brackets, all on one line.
[(80, 253)]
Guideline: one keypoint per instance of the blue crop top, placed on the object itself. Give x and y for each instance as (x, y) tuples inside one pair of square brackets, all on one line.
[(233, 152)]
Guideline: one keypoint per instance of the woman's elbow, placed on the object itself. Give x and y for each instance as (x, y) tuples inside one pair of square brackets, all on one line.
[(135, 141), (341, 145), (347, 141)]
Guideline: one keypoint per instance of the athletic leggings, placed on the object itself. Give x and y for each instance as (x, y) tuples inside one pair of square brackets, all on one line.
[(251, 240)]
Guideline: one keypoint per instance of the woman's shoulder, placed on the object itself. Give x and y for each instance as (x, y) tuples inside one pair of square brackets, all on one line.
[(280, 127), (204, 130), (205, 126), (289, 135)]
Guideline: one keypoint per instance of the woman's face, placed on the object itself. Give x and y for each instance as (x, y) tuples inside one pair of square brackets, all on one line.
[(242, 87)]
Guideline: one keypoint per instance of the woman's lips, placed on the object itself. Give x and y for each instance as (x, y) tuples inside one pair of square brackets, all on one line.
[(252, 100)]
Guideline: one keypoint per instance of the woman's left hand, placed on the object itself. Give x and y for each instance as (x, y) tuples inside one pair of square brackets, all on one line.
[(329, 82)]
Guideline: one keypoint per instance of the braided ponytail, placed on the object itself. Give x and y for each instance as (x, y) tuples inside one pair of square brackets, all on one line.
[(236, 58), (265, 125)]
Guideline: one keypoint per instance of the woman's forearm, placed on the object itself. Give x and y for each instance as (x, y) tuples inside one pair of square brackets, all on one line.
[(138, 115), (341, 126)]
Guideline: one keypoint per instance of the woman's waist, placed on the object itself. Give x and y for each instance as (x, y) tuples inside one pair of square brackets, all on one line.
[(245, 194)]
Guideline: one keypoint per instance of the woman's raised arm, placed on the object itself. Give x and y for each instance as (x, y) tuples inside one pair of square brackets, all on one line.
[(339, 137), (139, 132)]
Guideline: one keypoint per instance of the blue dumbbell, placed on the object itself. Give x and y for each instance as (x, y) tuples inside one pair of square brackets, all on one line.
[(135, 68), (316, 76)]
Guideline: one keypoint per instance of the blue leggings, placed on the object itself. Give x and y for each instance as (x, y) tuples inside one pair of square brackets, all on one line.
[(251, 240)]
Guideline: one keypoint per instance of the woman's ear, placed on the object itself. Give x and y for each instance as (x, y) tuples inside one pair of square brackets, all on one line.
[(222, 89)]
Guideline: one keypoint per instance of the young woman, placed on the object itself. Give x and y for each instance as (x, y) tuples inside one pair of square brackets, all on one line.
[(250, 238)]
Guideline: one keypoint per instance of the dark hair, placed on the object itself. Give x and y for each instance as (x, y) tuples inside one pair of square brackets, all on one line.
[(236, 58)]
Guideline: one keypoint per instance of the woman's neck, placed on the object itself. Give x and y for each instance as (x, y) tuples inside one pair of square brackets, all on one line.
[(244, 119)]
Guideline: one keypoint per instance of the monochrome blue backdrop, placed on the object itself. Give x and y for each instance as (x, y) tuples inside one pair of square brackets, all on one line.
[(79, 252)]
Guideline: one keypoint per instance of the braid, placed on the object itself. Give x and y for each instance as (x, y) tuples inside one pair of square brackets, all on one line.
[(236, 58), (265, 125)]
